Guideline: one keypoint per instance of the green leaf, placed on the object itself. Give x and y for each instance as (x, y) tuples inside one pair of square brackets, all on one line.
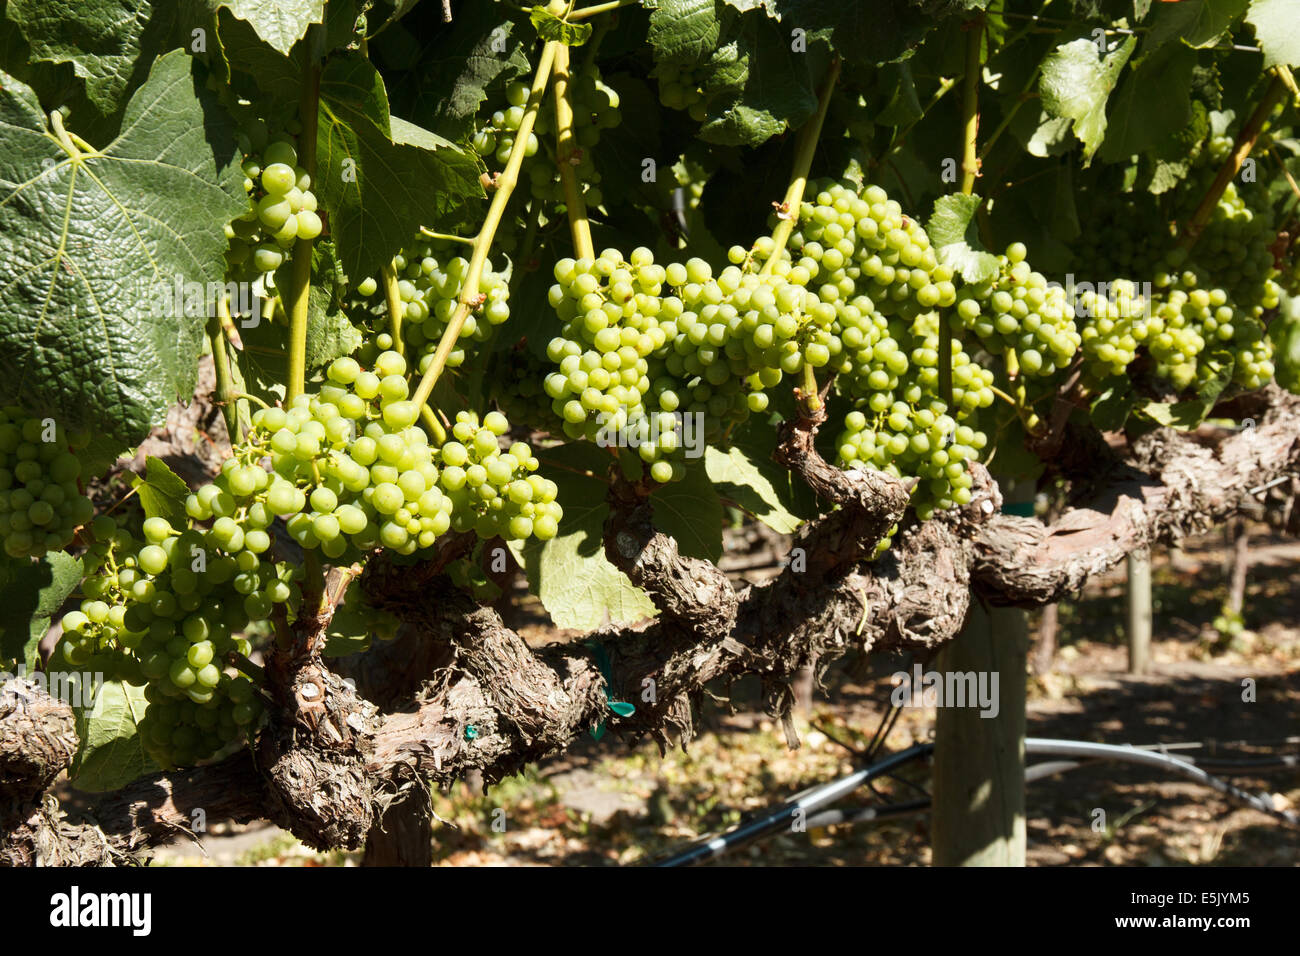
[(774, 88), (570, 574), (952, 232), (281, 23), (92, 244), (31, 592), (162, 492), (1277, 28), (685, 30), (882, 31), (691, 512), (742, 480), (112, 752), (1197, 23), (1111, 408), (1153, 102), (483, 50), (550, 27), (381, 181), (100, 38), (1075, 82)]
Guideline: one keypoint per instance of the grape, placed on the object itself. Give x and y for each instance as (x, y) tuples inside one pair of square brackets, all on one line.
[(41, 504), (1021, 317), (495, 493)]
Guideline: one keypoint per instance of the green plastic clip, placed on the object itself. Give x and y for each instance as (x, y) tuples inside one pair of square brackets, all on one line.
[(620, 707)]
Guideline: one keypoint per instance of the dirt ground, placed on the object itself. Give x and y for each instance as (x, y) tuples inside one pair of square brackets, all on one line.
[(608, 804)]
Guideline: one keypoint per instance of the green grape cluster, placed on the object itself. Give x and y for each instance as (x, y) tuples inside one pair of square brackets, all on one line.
[(282, 209), (516, 384), (863, 244), (41, 504), (350, 470), (595, 109), (634, 361), (494, 493), (165, 612), (921, 441), (178, 732), (497, 137), (1235, 251), (355, 622), (1020, 316), (900, 423), (1195, 320), (430, 282), (1112, 326), (680, 88)]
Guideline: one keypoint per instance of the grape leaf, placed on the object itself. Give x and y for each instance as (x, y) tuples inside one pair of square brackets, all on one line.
[(280, 24), (31, 592), (482, 50), (773, 83), (90, 242), (100, 38), (570, 574), (162, 492), (1153, 102), (1076, 80), (691, 512), (550, 27), (1277, 28), (1197, 23), (882, 31), (112, 752), (684, 30), (1110, 409), (736, 476), (951, 231), (381, 180)]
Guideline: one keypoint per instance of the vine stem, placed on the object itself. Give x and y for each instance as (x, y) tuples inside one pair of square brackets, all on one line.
[(802, 164), (444, 237), (396, 308), (1246, 140), (509, 178), (436, 431), (300, 283), (599, 8), (970, 167), (566, 150), (227, 397), (970, 163), (808, 389)]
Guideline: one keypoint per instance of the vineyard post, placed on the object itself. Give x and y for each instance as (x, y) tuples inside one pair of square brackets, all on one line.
[(1138, 607), (978, 815)]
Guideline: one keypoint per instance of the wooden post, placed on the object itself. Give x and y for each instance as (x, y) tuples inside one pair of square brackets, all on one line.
[(978, 816), (1138, 564), (1239, 540)]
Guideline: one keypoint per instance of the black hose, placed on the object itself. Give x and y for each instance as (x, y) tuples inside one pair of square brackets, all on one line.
[(820, 796)]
